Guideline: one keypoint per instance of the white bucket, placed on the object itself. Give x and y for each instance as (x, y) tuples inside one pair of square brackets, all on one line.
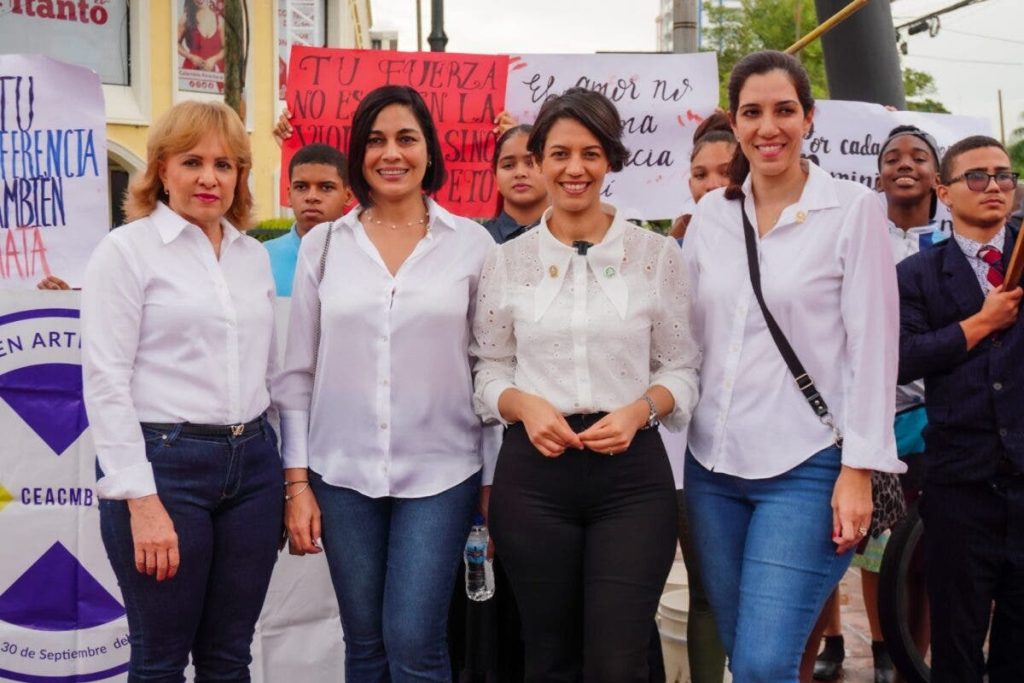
[(672, 618)]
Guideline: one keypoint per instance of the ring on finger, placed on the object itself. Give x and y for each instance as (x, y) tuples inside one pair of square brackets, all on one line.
[(863, 531)]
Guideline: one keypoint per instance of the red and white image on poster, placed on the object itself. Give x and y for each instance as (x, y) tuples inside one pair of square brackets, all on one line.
[(201, 46), (463, 92)]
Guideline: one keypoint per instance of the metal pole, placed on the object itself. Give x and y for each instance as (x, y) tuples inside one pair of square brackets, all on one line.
[(861, 60), (684, 26), (1002, 126), (419, 25), (437, 38)]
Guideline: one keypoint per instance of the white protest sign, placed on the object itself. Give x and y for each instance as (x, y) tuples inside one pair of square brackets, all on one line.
[(847, 137), (53, 169), (661, 99)]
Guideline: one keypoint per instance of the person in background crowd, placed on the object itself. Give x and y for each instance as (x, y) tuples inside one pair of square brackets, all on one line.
[(775, 505), (318, 193), (713, 149), (961, 331), (189, 473), (583, 340), (908, 171), (383, 451), (523, 194), (1017, 214)]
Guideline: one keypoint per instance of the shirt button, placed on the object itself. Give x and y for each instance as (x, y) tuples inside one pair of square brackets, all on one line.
[(384, 382), (383, 425), (998, 386), (1002, 432)]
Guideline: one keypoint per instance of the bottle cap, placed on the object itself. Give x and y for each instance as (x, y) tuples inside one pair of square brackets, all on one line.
[(478, 519)]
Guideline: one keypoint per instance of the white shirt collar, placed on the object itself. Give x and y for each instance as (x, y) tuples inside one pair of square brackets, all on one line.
[(437, 216), (819, 193), (604, 259), (169, 224)]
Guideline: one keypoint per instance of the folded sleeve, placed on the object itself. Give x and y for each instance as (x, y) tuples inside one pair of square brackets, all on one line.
[(113, 294), (869, 303)]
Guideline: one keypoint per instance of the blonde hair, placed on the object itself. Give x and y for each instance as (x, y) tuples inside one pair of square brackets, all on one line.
[(179, 130)]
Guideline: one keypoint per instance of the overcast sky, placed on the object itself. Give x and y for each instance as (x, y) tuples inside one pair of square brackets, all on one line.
[(977, 50)]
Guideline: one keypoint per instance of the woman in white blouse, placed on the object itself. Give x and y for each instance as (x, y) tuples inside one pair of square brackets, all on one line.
[(776, 505), (382, 450), (584, 343), (177, 325)]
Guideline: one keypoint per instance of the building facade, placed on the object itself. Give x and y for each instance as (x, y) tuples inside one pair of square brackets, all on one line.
[(151, 54)]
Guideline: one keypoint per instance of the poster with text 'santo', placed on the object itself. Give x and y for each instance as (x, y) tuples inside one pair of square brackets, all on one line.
[(53, 170), (463, 92)]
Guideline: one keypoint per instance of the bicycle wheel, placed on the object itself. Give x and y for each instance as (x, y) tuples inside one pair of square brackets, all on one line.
[(893, 597)]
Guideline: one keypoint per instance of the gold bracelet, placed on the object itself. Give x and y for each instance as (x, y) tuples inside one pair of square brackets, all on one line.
[(297, 493)]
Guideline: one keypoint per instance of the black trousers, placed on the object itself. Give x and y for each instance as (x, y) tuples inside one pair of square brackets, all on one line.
[(974, 545), (588, 540)]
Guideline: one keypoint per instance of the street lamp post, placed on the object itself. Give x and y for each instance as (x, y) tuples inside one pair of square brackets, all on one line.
[(437, 38)]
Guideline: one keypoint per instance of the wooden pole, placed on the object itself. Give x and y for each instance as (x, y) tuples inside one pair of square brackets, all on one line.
[(1013, 272), (826, 26)]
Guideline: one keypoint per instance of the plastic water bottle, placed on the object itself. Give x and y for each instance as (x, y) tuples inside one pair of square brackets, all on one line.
[(479, 572)]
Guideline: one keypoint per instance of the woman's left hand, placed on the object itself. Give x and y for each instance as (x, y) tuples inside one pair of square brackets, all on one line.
[(851, 508), (613, 433)]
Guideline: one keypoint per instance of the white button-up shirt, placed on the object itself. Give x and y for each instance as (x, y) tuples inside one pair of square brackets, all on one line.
[(171, 334), (389, 408), (829, 280), (970, 248), (588, 333)]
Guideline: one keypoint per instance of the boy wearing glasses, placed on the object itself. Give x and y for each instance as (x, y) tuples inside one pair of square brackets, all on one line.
[(960, 331)]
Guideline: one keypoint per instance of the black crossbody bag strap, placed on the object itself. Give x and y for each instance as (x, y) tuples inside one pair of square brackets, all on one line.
[(804, 382)]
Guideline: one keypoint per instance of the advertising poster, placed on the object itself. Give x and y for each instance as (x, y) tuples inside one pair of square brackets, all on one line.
[(201, 45)]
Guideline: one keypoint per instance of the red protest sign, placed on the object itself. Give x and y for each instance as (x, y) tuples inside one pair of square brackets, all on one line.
[(463, 92)]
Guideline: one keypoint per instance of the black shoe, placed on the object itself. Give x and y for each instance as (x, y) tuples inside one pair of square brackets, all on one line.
[(885, 672), (829, 663)]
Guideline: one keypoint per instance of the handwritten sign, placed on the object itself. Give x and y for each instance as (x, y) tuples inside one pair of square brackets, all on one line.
[(463, 92), (847, 137), (661, 100), (53, 169)]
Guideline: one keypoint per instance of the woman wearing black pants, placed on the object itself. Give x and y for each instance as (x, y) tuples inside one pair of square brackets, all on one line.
[(584, 344)]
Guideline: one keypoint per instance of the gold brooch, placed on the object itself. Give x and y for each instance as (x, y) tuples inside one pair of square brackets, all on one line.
[(553, 271)]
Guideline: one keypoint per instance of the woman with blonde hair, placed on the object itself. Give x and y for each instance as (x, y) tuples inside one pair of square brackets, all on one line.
[(177, 327)]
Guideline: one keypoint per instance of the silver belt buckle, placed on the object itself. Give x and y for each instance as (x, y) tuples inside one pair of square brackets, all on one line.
[(237, 430)]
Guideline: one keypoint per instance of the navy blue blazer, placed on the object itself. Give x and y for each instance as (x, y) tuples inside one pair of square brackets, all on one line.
[(975, 399)]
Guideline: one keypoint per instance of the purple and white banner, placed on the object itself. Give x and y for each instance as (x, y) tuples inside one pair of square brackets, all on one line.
[(62, 617)]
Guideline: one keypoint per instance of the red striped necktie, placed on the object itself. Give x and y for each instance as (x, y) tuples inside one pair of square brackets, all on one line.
[(994, 258)]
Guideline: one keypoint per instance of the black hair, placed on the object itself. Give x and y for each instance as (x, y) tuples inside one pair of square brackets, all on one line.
[(755, 64), (965, 145), (521, 129), (362, 125), (320, 154), (914, 131), (593, 111), (714, 128)]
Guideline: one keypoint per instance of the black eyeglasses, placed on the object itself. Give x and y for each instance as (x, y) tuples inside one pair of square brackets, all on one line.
[(977, 181)]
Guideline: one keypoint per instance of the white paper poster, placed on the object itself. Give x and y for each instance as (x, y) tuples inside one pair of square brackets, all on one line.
[(661, 99), (847, 137), (53, 169)]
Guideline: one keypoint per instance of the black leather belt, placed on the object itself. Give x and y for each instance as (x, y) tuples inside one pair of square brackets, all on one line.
[(192, 429)]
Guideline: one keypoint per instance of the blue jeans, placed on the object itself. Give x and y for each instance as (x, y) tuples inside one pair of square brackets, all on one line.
[(224, 496), (766, 551), (393, 564)]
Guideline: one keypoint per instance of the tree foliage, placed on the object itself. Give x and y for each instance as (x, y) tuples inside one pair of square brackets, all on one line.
[(734, 31), (1016, 147), (918, 84)]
